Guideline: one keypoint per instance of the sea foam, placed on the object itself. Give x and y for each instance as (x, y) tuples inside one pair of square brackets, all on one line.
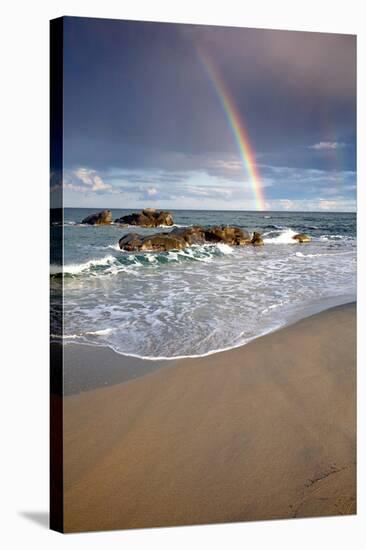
[(284, 236)]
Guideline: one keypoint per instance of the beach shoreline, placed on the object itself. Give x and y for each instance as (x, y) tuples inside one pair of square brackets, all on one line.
[(263, 431), (120, 367)]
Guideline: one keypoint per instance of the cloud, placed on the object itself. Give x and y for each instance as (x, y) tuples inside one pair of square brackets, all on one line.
[(91, 179), (285, 187), (309, 179), (290, 89), (327, 145), (85, 180), (73, 187), (338, 204), (179, 170)]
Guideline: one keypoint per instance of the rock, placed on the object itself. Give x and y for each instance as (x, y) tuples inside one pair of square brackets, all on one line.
[(228, 235), (131, 242), (220, 234), (163, 242), (302, 238), (164, 218), (191, 235), (257, 239), (100, 218), (180, 237), (137, 219), (160, 242), (149, 217)]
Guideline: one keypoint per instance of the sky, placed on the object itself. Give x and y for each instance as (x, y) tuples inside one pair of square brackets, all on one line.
[(145, 125)]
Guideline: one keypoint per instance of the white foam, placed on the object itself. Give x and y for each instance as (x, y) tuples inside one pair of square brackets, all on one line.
[(240, 343), (74, 269), (102, 332), (148, 297), (65, 336), (169, 226), (114, 247), (301, 255), (335, 238), (285, 237), (172, 256), (225, 248)]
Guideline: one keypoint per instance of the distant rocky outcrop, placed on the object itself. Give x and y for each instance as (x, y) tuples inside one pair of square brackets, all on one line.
[(149, 217), (100, 218), (180, 238), (302, 238)]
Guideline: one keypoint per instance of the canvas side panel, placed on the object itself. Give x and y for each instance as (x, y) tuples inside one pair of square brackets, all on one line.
[(56, 282)]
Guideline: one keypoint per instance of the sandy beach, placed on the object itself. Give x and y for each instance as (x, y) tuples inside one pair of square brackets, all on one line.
[(264, 431)]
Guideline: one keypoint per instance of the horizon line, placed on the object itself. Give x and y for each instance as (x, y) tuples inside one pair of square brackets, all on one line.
[(264, 212)]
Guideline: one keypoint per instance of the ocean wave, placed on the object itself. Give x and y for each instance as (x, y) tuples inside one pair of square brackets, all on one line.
[(128, 262), (174, 225), (121, 261), (64, 336), (275, 226), (225, 248), (75, 269), (102, 332), (70, 223), (239, 342), (336, 237), (114, 247), (290, 314), (301, 255), (285, 236)]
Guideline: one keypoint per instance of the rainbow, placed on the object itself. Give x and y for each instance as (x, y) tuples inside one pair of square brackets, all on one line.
[(240, 134)]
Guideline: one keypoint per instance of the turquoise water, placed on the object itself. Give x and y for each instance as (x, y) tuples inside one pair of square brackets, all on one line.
[(204, 298)]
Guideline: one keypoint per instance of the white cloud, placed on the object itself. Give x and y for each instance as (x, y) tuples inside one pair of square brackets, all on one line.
[(91, 180), (303, 189), (73, 187), (338, 204), (287, 204), (327, 145)]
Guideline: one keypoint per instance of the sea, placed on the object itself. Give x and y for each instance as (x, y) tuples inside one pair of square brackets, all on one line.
[(203, 299)]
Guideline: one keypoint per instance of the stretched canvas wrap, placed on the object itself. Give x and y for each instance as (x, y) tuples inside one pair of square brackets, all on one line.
[(203, 274)]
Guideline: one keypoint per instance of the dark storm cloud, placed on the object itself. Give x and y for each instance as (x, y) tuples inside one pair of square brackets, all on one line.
[(137, 97)]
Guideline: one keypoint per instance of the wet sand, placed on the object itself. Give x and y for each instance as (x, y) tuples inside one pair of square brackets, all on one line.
[(264, 431)]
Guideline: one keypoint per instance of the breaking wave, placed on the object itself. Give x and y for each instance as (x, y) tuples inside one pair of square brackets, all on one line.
[(280, 236), (127, 261)]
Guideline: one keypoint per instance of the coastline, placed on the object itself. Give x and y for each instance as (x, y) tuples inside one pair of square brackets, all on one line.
[(263, 431), (120, 367)]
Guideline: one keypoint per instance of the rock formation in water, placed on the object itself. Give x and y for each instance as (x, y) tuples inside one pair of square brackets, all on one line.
[(100, 218), (149, 217), (180, 238)]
